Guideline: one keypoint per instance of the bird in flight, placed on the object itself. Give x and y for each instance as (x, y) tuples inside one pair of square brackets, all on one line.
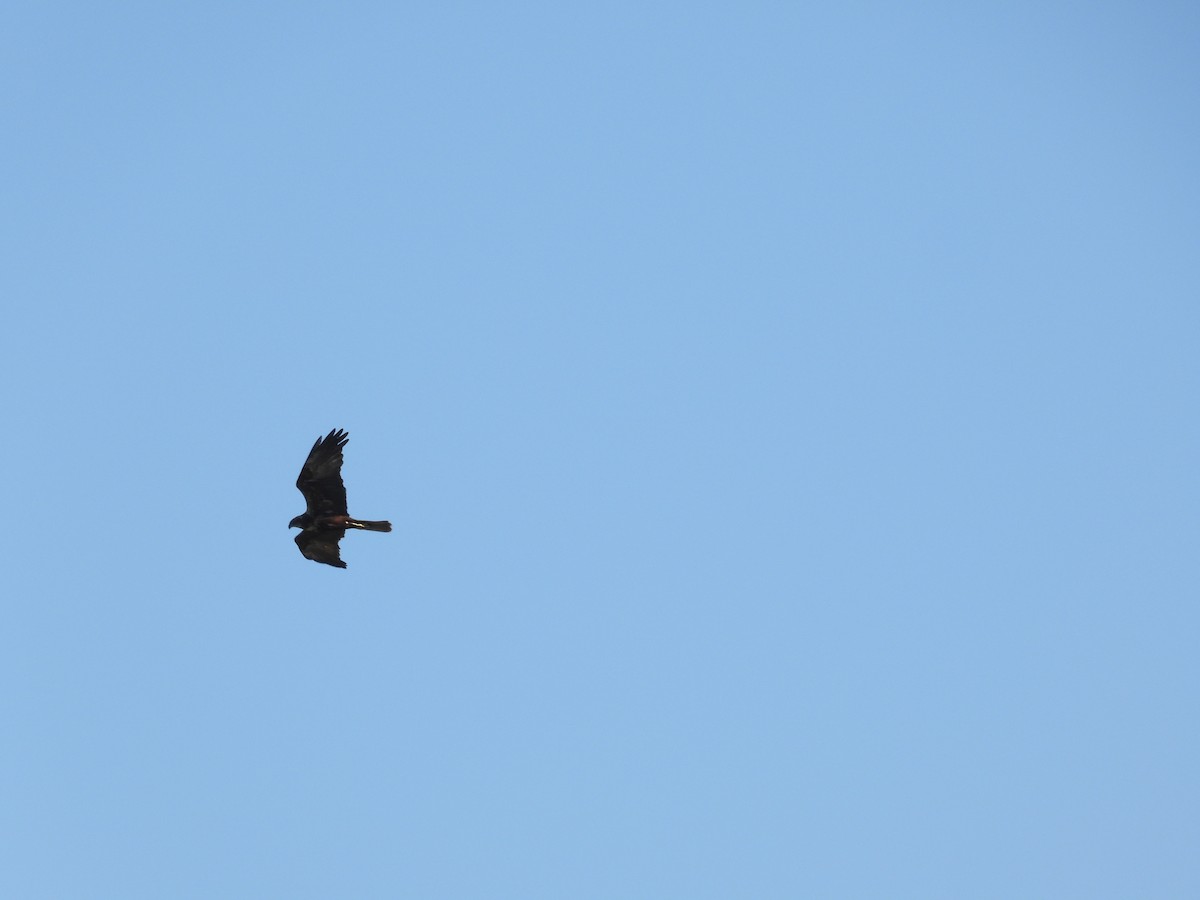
[(325, 521)]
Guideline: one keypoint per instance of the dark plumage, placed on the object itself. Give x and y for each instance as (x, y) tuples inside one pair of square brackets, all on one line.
[(325, 521)]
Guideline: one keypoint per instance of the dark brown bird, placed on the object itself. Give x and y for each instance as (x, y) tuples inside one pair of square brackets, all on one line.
[(325, 521)]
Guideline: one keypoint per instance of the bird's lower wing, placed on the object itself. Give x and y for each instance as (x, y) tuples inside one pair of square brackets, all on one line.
[(322, 546)]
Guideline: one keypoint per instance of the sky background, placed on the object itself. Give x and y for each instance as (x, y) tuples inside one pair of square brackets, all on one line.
[(787, 413)]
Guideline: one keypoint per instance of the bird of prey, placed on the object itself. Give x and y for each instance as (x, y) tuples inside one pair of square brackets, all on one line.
[(325, 521)]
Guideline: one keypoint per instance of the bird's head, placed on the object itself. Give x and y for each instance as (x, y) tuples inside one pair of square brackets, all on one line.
[(297, 522)]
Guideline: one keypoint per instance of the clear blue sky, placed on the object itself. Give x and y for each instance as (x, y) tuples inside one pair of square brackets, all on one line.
[(788, 413)]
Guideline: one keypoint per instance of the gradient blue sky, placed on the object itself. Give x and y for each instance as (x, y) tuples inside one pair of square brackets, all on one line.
[(787, 413)]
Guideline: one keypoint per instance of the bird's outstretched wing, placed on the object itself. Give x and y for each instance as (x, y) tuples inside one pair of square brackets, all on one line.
[(320, 480), (322, 546)]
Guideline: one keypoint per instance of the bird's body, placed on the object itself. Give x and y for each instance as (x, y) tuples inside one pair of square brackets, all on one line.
[(323, 524)]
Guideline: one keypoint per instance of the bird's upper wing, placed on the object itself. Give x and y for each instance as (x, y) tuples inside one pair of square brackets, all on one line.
[(320, 480), (322, 546)]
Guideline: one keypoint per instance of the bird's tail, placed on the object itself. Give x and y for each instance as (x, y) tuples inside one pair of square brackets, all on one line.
[(369, 526)]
